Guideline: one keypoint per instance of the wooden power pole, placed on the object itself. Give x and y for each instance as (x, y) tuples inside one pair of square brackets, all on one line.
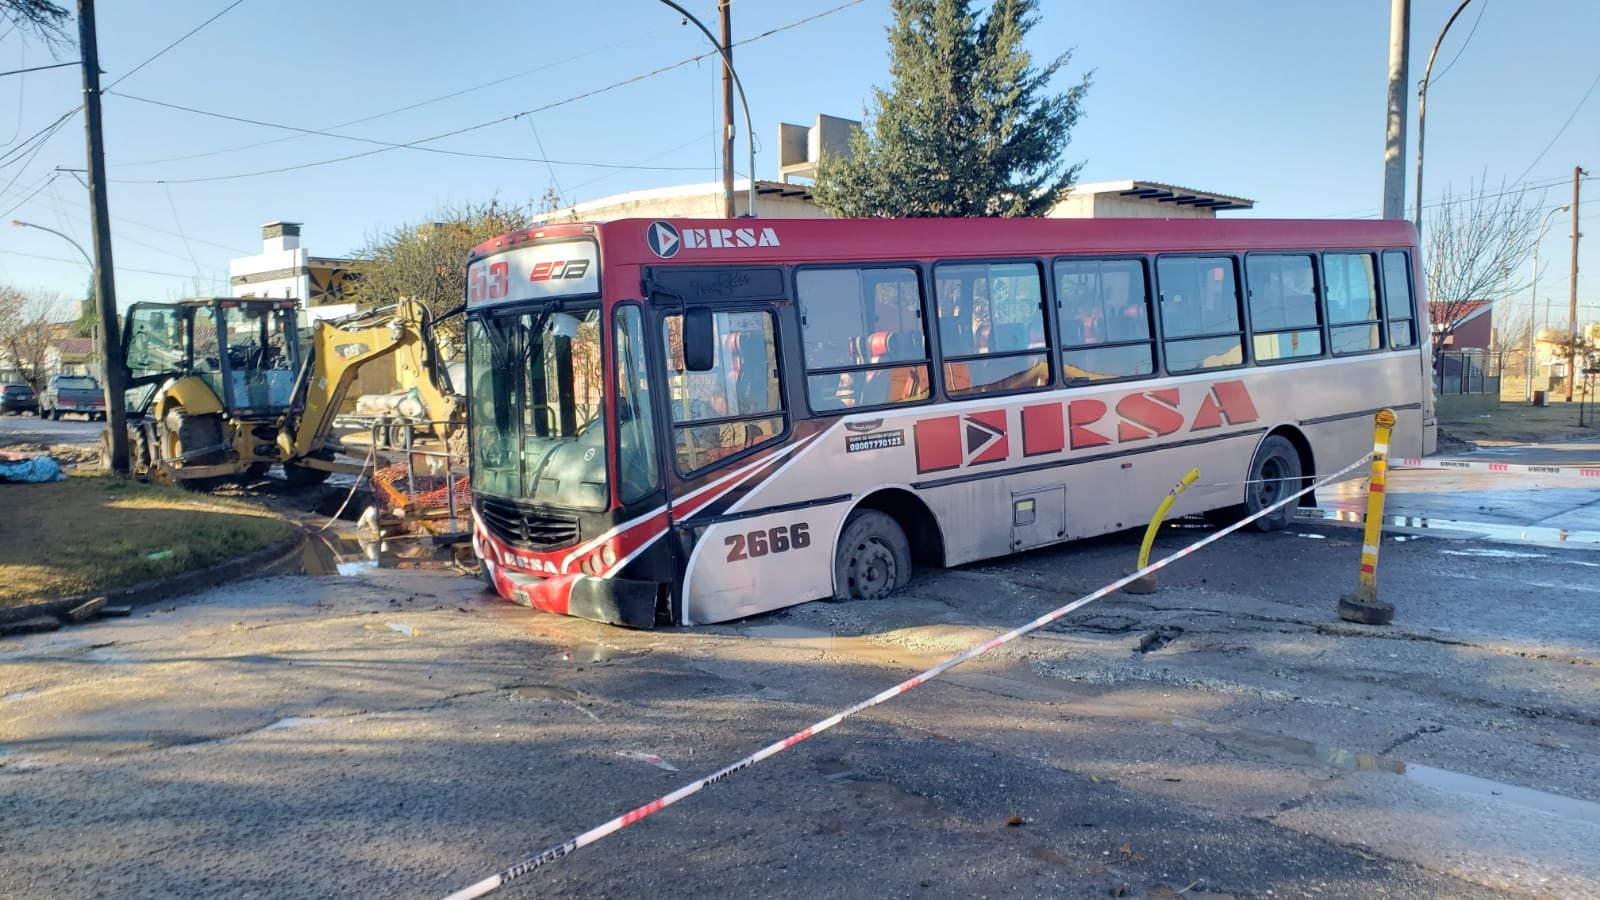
[(105, 291)]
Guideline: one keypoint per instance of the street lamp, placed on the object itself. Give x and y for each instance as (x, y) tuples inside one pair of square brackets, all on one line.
[(86, 258), (1533, 302), (727, 60), (1422, 107)]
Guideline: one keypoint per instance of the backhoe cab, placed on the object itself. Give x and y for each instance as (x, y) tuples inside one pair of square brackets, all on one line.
[(211, 388)]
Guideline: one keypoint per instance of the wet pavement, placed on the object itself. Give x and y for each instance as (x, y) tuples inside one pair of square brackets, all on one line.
[(402, 733)]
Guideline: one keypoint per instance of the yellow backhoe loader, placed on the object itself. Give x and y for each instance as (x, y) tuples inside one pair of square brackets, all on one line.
[(227, 386)]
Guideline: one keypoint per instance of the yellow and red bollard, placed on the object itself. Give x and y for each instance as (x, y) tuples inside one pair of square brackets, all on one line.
[(1363, 606)]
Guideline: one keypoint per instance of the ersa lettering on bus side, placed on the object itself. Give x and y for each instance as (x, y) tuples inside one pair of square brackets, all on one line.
[(666, 240)]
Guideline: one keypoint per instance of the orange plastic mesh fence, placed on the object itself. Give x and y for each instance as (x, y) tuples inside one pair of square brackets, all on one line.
[(432, 490)]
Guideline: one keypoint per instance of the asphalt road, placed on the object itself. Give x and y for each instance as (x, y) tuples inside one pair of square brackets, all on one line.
[(30, 429), (400, 733)]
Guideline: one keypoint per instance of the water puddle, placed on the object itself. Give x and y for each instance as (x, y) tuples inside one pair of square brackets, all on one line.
[(21, 695), (590, 652), (295, 722), (1528, 534), (346, 555), (1339, 761)]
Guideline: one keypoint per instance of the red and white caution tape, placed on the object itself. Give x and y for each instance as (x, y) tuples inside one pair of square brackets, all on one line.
[(594, 834), (1520, 468)]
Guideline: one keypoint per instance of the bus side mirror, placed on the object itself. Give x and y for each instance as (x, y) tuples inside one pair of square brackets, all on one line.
[(699, 340)]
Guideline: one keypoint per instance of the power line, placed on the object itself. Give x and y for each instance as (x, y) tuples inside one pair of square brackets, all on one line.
[(40, 68), (1515, 188), (21, 146), (408, 107), (470, 128), (1483, 7), (1563, 125), (175, 43), (79, 262), (387, 145)]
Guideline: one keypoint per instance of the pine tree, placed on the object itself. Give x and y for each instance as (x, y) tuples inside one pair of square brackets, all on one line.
[(967, 127)]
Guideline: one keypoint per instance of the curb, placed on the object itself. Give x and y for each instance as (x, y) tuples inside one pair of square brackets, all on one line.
[(158, 589)]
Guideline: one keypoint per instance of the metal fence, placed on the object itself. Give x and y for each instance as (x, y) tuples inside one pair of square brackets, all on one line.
[(1467, 372)]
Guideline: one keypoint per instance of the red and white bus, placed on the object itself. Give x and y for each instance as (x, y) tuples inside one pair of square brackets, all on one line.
[(692, 421)]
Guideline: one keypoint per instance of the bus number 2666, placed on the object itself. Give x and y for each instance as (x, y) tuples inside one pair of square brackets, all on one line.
[(771, 540)]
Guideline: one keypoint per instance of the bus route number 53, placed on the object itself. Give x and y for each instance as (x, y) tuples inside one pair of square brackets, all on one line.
[(772, 540)]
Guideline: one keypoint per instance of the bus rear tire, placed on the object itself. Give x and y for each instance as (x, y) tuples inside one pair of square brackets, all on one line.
[(1274, 474), (873, 559)]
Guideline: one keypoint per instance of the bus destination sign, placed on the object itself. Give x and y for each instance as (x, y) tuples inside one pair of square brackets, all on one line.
[(535, 272)]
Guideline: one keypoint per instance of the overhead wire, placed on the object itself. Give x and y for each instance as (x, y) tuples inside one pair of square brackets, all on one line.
[(1482, 8), (388, 145), (481, 125), (163, 50), (1563, 129)]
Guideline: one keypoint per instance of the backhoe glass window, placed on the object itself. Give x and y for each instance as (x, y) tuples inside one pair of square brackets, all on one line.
[(260, 364), (536, 391)]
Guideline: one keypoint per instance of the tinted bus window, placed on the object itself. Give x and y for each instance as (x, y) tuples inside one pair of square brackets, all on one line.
[(1283, 306), (864, 338), (1352, 301), (1105, 319), (1399, 305), (991, 327), (734, 406), (1199, 312)]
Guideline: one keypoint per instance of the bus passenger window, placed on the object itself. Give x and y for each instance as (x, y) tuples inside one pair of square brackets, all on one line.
[(1105, 319), (991, 327), (1352, 301), (1284, 322), (734, 406), (1399, 304), (864, 339), (1199, 312)]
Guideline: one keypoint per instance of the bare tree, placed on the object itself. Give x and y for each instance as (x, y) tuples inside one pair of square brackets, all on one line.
[(25, 318), (1476, 246), (41, 18), (428, 262)]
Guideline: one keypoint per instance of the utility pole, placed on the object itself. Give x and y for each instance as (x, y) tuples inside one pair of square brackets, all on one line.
[(105, 292), (1572, 321), (727, 107), (1394, 150)]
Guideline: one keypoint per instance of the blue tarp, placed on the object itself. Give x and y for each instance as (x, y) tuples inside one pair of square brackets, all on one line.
[(39, 468)]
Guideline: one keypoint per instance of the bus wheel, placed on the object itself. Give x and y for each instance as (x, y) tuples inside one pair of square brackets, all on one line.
[(873, 559), (1274, 475)]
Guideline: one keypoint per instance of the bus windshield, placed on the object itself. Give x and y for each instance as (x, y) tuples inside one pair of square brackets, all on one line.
[(536, 393)]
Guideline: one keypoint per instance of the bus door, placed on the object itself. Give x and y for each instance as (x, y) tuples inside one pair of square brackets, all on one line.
[(729, 432)]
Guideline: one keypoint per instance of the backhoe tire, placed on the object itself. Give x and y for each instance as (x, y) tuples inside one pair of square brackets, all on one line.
[(180, 434)]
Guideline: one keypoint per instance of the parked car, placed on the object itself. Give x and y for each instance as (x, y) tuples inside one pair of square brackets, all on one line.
[(17, 399), (72, 394)]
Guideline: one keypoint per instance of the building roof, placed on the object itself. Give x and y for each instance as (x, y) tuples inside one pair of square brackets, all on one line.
[(1164, 193), (78, 346), (1464, 310)]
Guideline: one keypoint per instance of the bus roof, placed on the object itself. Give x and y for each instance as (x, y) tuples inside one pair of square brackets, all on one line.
[(733, 241)]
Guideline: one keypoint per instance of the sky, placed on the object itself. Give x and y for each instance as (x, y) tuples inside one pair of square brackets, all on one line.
[(1280, 102)]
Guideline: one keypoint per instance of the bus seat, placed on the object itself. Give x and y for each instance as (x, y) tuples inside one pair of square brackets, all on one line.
[(876, 385)]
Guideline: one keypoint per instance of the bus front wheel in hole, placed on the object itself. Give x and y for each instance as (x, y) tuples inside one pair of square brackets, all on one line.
[(1274, 474), (873, 559)]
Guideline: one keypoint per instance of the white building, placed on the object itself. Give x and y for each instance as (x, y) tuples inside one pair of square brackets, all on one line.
[(283, 268)]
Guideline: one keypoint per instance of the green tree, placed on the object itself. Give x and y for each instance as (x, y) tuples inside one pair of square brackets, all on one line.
[(967, 127), (428, 261), (88, 315)]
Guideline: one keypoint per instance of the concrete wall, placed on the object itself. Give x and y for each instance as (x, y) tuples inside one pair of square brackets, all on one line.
[(1116, 206)]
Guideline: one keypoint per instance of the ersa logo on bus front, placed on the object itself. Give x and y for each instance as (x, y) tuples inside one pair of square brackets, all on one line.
[(666, 240)]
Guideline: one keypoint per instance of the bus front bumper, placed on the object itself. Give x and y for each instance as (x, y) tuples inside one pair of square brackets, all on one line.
[(614, 601)]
